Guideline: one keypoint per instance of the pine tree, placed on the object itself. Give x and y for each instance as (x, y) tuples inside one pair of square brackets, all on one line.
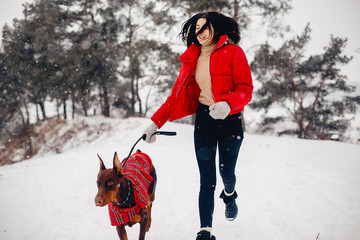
[(14, 117), (43, 24), (90, 62), (303, 87), (9, 101), (62, 85), (142, 62), (18, 61)]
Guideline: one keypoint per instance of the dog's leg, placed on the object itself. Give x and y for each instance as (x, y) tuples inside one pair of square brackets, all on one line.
[(153, 184), (121, 232), (143, 224), (148, 208), (151, 196)]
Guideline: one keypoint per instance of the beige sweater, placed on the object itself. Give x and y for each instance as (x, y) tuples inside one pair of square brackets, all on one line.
[(202, 75)]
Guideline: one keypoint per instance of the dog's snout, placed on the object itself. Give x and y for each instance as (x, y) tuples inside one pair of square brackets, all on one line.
[(99, 201)]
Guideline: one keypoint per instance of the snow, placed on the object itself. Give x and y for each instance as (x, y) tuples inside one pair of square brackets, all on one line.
[(288, 188)]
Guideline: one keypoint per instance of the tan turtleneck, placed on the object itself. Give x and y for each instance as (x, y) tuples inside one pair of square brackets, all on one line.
[(202, 75)]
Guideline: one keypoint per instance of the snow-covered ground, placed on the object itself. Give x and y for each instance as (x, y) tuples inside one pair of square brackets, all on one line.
[(289, 189)]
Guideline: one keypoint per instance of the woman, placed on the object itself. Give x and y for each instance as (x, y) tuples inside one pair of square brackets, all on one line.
[(215, 83)]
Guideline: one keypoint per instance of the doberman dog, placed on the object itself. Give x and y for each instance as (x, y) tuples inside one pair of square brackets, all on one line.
[(129, 200)]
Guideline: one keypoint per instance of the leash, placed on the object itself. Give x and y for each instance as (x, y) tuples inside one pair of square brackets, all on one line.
[(143, 137)]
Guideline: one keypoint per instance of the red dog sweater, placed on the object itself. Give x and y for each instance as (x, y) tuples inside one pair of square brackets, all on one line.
[(137, 170)]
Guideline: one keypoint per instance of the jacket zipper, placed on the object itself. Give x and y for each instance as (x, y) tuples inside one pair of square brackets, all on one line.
[(182, 83), (212, 94)]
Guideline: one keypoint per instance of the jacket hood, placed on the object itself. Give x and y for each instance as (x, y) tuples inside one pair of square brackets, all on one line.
[(194, 49)]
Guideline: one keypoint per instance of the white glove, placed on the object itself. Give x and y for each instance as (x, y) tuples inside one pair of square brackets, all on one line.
[(220, 110), (149, 131)]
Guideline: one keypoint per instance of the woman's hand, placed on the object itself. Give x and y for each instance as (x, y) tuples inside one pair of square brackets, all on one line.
[(220, 110), (149, 131)]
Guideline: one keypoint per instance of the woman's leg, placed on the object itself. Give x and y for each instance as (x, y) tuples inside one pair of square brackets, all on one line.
[(229, 145), (205, 149)]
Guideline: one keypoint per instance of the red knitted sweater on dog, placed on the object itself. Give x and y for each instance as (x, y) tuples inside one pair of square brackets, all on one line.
[(137, 170)]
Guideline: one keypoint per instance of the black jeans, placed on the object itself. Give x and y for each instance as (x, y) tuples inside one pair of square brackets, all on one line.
[(209, 133)]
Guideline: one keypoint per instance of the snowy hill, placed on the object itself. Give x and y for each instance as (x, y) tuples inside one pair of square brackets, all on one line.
[(288, 189)]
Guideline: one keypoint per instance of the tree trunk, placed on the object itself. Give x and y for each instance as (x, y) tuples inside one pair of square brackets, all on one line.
[(73, 107), (83, 103), (37, 113), (101, 100), (106, 99), (301, 132), (132, 107), (42, 108), (30, 150), (26, 133), (65, 113), (138, 95), (58, 109), (27, 114), (22, 119), (131, 67)]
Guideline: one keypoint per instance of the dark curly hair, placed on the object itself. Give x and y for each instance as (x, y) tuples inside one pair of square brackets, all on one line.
[(222, 25)]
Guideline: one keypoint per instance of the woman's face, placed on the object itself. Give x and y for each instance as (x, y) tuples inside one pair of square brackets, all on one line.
[(206, 37)]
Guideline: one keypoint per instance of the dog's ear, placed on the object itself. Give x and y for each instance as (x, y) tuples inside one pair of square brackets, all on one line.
[(102, 165), (117, 165)]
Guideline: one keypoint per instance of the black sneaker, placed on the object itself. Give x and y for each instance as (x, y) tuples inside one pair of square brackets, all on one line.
[(205, 235), (231, 209)]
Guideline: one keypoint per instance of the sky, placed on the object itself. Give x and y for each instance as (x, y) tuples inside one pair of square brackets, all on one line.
[(339, 18)]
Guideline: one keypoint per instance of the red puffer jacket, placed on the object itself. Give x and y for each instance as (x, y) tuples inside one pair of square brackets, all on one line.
[(230, 80)]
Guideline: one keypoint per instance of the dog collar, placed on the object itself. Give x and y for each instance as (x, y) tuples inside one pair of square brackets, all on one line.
[(128, 196)]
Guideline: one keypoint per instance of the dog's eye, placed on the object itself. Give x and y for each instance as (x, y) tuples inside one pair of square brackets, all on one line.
[(98, 183), (110, 183)]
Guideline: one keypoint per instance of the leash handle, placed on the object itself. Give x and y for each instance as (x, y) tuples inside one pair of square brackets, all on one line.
[(165, 133)]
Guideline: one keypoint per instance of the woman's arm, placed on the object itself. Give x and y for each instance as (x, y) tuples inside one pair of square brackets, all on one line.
[(242, 80)]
